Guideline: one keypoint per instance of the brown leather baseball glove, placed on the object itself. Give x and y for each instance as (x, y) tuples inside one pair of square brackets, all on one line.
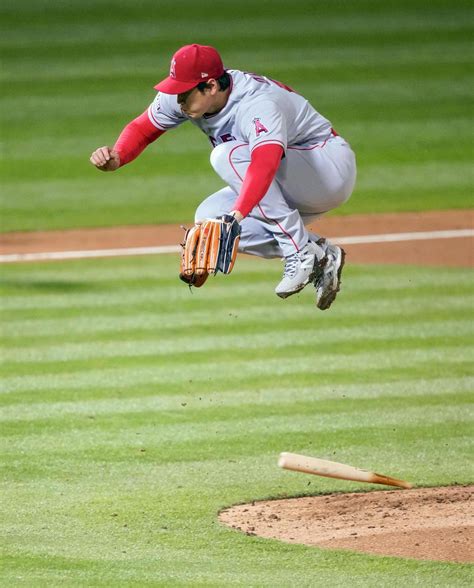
[(208, 248)]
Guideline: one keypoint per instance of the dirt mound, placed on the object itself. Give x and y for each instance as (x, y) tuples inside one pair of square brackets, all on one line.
[(423, 523)]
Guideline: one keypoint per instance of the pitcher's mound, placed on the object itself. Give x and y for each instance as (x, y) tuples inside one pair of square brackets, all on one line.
[(424, 523)]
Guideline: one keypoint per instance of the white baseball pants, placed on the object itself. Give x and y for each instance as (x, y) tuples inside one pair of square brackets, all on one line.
[(309, 182)]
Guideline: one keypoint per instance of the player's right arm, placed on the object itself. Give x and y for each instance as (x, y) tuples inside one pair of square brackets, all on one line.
[(105, 159), (131, 142), (162, 114)]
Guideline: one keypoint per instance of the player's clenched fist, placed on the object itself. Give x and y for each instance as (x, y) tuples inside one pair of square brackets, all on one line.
[(105, 159)]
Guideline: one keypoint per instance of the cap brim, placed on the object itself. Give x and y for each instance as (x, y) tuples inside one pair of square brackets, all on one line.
[(172, 86)]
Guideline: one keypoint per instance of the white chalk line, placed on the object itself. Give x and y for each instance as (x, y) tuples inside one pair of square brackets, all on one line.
[(393, 237), (58, 255), (351, 240)]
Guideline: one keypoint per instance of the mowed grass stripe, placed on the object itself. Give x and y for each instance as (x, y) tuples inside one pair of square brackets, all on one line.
[(270, 436), (79, 276), (192, 313), (299, 417), (163, 293), (214, 294), (285, 351), (400, 50), (365, 20), (272, 395), (411, 335), (115, 278), (369, 305), (145, 326), (231, 365), (194, 388)]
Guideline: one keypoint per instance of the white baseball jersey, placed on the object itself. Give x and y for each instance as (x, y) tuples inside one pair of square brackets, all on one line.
[(259, 110)]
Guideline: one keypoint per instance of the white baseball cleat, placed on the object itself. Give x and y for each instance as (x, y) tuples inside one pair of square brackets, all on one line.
[(328, 282), (300, 269)]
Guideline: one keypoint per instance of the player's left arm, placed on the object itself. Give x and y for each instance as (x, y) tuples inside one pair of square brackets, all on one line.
[(264, 125), (211, 246), (264, 164)]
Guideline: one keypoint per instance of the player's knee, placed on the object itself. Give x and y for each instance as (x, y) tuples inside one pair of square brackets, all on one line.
[(201, 213), (220, 156), (225, 156), (207, 209)]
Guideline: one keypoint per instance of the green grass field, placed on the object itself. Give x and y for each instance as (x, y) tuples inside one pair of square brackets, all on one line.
[(133, 411), (394, 77)]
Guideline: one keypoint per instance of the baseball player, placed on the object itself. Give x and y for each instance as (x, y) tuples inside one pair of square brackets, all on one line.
[(282, 162)]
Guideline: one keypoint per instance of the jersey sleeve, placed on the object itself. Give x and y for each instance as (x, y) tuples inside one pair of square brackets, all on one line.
[(164, 112), (263, 122), (135, 137)]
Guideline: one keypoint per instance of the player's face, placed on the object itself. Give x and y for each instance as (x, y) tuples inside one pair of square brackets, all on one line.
[(195, 103)]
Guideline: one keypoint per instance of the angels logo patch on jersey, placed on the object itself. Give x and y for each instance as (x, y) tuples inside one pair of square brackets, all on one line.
[(259, 127)]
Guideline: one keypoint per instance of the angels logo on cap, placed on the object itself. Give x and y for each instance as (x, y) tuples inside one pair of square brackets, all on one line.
[(191, 65)]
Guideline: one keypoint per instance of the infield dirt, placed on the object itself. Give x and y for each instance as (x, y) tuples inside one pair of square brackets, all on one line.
[(423, 523), (442, 252)]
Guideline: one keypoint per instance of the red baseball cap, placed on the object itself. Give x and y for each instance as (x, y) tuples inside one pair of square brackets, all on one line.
[(191, 65)]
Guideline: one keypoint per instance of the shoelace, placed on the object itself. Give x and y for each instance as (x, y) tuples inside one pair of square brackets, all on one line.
[(291, 264)]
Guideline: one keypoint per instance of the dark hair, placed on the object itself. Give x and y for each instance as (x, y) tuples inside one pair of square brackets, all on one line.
[(223, 81)]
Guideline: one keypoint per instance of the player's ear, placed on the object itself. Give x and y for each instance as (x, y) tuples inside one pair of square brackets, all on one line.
[(213, 86)]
